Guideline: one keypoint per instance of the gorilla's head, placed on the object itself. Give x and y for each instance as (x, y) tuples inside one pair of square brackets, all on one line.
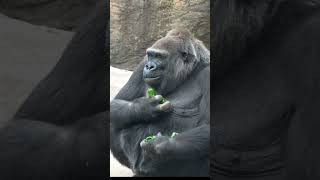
[(172, 59)]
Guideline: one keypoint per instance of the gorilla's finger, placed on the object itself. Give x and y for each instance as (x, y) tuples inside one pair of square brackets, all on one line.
[(147, 146), (165, 106), (143, 144), (158, 97)]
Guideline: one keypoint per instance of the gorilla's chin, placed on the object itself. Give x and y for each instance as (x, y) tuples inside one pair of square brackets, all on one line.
[(152, 81)]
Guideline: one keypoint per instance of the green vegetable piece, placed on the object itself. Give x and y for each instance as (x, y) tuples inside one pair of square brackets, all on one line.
[(149, 138), (174, 134), (152, 93), (163, 101)]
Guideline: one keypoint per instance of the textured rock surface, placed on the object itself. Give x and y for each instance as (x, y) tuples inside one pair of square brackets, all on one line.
[(61, 14), (137, 24)]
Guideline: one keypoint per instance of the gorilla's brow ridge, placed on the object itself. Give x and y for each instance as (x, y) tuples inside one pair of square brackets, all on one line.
[(161, 51)]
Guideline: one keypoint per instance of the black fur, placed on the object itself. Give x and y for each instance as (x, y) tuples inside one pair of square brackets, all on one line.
[(266, 89), (185, 83), (60, 130)]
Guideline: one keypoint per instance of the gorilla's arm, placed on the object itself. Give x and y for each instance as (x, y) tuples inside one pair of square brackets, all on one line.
[(250, 110), (245, 104), (191, 144), (123, 111), (122, 114), (39, 150), (125, 114), (59, 131), (76, 87), (268, 92), (195, 143), (135, 87)]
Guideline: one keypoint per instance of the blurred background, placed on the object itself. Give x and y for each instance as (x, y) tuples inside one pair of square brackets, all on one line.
[(60, 14), (33, 35)]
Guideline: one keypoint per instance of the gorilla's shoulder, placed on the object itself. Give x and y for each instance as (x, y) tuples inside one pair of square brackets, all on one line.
[(204, 73), (203, 77)]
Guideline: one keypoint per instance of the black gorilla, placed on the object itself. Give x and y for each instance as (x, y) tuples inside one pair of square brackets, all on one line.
[(177, 66), (60, 130), (266, 89)]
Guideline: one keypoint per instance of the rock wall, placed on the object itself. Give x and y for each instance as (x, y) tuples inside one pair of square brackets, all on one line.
[(137, 24)]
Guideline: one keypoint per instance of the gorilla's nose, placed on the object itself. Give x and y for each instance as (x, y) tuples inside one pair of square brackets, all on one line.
[(150, 66)]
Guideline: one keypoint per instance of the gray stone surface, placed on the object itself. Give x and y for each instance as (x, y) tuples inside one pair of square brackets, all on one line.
[(137, 24)]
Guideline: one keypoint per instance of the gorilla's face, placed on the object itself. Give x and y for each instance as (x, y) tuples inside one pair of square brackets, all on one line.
[(168, 62)]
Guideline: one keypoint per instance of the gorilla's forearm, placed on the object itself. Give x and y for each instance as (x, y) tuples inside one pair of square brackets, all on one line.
[(82, 67), (95, 124), (188, 148), (135, 87), (250, 119), (69, 147), (245, 113), (121, 114), (124, 114), (194, 143)]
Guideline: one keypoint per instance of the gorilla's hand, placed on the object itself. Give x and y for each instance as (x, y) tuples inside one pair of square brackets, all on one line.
[(160, 147), (149, 108), (125, 113), (155, 152)]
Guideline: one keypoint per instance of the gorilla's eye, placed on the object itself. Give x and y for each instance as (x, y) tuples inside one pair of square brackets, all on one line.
[(155, 54), (158, 55), (149, 54)]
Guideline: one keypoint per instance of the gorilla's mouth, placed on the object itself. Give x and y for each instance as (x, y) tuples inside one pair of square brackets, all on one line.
[(151, 80)]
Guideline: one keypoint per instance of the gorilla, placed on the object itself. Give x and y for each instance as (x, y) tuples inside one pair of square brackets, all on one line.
[(59, 131), (266, 91), (177, 67)]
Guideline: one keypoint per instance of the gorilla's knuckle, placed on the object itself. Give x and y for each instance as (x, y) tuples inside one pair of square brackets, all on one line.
[(158, 97)]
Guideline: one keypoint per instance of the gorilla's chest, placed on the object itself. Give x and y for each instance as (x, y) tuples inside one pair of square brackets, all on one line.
[(185, 102)]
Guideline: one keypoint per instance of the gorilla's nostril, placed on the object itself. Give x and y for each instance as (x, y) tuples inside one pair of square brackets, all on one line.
[(150, 66)]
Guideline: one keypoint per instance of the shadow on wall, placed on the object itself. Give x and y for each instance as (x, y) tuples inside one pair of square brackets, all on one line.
[(137, 24)]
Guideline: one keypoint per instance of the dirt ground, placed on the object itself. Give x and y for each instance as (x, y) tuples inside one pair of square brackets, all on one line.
[(118, 78)]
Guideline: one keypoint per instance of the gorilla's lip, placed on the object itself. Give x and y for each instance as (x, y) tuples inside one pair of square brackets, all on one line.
[(151, 79)]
